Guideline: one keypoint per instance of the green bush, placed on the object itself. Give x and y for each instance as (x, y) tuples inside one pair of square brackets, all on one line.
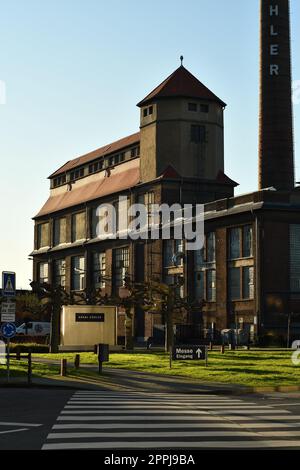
[(26, 347)]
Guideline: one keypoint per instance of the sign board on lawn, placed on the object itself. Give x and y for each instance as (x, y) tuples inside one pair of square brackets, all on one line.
[(189, 353)]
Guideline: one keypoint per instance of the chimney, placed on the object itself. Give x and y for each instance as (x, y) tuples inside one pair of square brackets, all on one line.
[(276, 152)]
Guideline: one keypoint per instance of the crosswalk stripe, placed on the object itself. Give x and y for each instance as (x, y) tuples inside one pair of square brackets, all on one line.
[(97, 410), (170, 435), (171, 426), (169, 444), (103, 420)]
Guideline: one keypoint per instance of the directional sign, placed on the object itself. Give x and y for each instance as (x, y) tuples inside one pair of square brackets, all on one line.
[(189, 353), (8, 284), (8, 307), (8, 330)]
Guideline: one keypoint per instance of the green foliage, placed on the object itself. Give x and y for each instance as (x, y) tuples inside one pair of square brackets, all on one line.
[(26, 347), (249, 368)]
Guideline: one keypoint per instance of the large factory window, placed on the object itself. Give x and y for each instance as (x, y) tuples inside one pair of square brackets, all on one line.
[(77, 273), (99, 270), (78, 226), (43, 273), (59, 273), (43, 238), (121, 266), (234, 283), (60, 231)]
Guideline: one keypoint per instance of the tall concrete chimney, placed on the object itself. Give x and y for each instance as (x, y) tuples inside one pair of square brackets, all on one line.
[(276, 152)]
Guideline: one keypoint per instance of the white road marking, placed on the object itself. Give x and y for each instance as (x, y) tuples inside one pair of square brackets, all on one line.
[(14, 430), (28, 425), (170, 435), (169, 444)]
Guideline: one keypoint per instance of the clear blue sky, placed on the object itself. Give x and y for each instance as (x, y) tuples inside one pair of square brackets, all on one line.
[(75, 69)]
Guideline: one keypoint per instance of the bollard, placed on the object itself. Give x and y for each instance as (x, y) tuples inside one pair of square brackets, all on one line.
[(29, 373), (18, 353), (63, 367), (77, 361), (222, 349)]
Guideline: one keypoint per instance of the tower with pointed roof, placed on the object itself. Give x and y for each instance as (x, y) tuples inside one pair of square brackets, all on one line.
[(181, 126)]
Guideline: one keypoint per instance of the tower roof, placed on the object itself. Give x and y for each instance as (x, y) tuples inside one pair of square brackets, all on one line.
[(181, 83)]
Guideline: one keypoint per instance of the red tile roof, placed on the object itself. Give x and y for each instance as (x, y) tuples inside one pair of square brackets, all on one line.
[(119, 180), (181, 83), (100, 152)]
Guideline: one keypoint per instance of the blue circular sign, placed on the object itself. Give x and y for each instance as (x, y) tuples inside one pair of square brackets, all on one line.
[(8, 330)]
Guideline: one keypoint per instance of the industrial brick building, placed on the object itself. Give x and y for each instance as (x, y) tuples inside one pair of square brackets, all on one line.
[(248, 274)]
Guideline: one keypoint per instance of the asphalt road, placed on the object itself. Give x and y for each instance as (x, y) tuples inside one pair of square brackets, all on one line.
[(27, 415), (82, 419)]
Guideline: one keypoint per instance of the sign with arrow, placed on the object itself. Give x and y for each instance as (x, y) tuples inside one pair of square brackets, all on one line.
[(189, 353)]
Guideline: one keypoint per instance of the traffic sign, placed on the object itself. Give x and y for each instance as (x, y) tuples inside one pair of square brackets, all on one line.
[(8, 330), (8, 308), (8, 284), (189, 353), (8, 317)]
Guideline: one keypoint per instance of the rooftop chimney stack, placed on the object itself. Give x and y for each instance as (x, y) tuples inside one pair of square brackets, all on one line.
[(276, 152)]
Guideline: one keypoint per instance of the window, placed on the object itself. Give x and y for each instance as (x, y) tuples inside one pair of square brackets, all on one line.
[(171, 248), (248, 282), (78, 226), (43, 238), (210, 247), (97, 166), (60, 231), (192, 107), (43, 273), (99, 270), (77, 273), (198, 134), (241, 242), (204, 108), (135, 152), (121, 266), (59, 181), (59, 273), (234, 283), (234, 243), (211, 285), (205, 270), (148, 111), (76, 174), (247, 241)]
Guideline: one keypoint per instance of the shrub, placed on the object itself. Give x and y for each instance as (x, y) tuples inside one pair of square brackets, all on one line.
[(26, 347)]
